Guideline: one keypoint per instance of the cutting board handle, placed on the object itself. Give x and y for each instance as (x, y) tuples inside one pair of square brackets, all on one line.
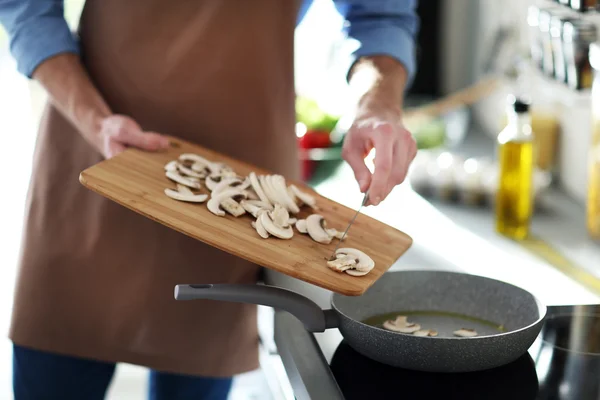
[(308, 312)]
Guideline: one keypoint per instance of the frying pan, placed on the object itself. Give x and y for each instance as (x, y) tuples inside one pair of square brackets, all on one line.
[(440, 300)]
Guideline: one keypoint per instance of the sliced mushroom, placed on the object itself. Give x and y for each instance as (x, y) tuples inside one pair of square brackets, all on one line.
[(280, 216), (183, 189), (230, 183), (171, 166), (301, 226), (277, 231), (251, 208), (223, 170), (212, 181), (315, 226), (190, 182), (342, 264), (194, 159), (364, 263), (188, 197), (261, 204), (189, 172), (355, 272), (269, 191), (260, 229), (293, 196), (292, 221), (336, 234), (233, 207), (304, 197), (426, 332), (201, 168), (226, 201), (464, 332), (278, 184), (401, 324), (254, 181)]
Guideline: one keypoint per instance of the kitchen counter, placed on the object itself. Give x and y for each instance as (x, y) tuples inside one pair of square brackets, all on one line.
[(446, 237)]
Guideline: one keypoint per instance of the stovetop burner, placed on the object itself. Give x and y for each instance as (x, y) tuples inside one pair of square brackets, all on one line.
[(362, 378), (563, 364)]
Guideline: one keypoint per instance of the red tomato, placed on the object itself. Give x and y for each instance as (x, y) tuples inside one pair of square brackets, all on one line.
[(314, 139)]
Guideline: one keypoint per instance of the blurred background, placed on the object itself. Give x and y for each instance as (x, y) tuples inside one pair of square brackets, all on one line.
[(471, 54)]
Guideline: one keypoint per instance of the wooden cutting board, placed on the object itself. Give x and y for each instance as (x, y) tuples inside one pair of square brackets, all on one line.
[(136, 179)]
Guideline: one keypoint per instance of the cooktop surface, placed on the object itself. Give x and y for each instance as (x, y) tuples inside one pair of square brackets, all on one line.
[(563, 364)]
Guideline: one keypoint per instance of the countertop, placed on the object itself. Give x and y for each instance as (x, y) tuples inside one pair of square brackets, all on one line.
[(446, 237)]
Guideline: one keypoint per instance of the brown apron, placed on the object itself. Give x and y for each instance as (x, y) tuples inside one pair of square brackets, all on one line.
[(96, 280)]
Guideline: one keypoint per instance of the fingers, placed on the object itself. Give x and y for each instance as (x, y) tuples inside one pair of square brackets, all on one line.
[(144, 140), (384, 163), (353, 153), (112, 148), (405, 150), (126, 131)]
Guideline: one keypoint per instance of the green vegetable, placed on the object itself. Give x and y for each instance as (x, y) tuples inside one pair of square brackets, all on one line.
[(431, 134), (309, 113)]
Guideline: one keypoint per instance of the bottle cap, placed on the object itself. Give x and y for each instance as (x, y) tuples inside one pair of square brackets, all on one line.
[(519, 104)]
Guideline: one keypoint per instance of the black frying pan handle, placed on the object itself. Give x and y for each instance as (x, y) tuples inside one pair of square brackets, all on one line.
[(308, 312)]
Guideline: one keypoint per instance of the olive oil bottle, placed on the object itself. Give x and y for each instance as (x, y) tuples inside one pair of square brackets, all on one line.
[(516, 162), (593, 195)]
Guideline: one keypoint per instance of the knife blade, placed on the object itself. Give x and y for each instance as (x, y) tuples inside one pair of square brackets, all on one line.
[(365, 200)]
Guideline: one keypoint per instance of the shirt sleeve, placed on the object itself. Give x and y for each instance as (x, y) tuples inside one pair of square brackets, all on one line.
[(37, 30), (383, 27)]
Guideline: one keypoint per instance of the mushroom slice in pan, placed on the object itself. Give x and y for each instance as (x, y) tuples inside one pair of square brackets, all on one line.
[(464, 332), (301, 226), (292, 221), (273, 229), (364, 263), (315, 226), (426, 332), (171, 166), (176, 177), (254, 181), (401, 324), (227, 201), (304, 197)]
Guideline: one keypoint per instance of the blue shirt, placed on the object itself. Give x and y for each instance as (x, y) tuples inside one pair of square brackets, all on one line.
[(38, 30)]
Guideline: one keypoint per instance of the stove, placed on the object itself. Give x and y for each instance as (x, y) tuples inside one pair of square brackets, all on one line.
[(562, 364)]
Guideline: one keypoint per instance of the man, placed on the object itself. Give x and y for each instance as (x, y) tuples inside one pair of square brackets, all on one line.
[(96, 280)]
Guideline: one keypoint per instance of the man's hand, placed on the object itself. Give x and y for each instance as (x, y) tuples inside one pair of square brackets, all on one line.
[(74, 94), (379, 83), (379, 128), (117, 132)]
